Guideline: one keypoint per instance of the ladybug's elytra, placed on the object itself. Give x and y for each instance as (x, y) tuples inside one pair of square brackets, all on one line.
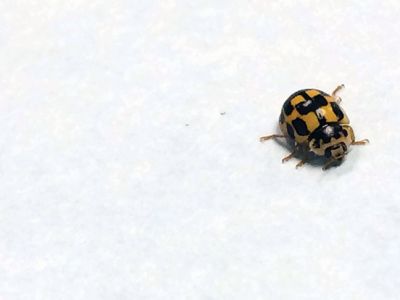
[(315, 120)]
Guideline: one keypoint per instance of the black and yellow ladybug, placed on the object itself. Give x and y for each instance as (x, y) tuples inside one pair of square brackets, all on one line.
[(314, 120)]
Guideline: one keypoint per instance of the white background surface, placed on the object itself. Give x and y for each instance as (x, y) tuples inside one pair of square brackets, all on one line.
[(120, 178)]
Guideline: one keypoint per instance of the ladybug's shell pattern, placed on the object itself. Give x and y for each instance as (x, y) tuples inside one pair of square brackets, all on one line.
[(309, 109)]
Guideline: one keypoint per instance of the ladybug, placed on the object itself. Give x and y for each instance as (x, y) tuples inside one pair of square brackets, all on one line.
[(315, 121)]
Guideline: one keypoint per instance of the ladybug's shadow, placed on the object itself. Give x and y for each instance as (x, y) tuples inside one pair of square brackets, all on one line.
[(304, 153)]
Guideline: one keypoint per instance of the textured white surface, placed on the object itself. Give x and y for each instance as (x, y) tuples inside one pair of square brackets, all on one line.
[(121, 179)]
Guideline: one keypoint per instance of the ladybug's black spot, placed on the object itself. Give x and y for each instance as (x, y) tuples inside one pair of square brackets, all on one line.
[(320, 100), (345, 133), (305, 107), (290, 131), (281, 118), (288, 107), (305, 95), (337, 110), (325, 133), (316, 144), (331, 130), (338, 130), (311, 104), (322, 121), (300, 126)]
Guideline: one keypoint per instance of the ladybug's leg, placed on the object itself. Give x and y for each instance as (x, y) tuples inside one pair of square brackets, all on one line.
[(301, 163), (286, 158), (336, 91), (290, 156), (326, 166), (329, 163), (362, 142), (272, 136)]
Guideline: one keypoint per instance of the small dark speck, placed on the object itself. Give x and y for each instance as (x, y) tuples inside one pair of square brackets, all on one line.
[(186, 125), (222, 113)]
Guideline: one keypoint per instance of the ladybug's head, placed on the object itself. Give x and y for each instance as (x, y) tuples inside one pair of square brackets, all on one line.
[(336, 151), (332, 141)]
